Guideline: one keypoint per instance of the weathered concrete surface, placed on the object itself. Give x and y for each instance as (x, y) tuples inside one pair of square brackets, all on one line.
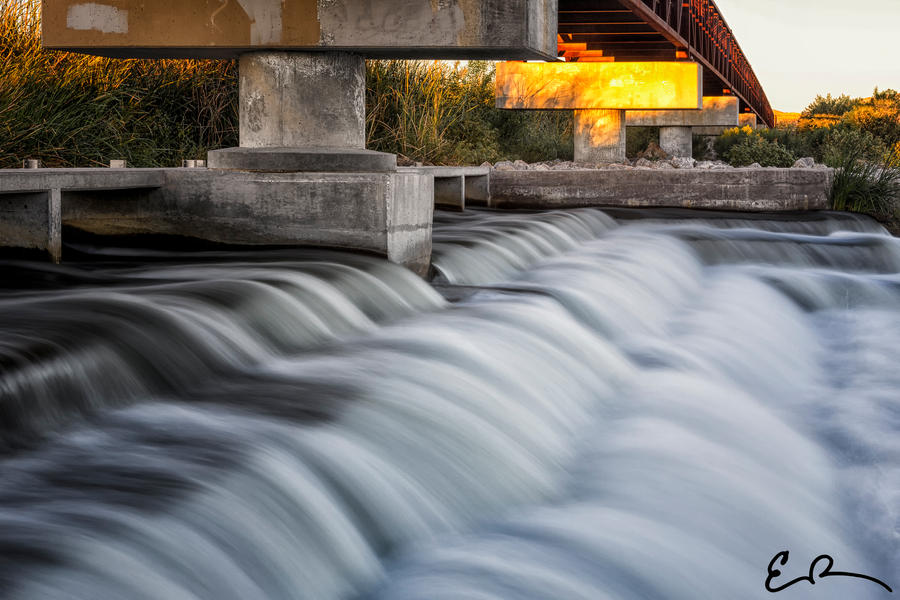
[(286, 160), (727, 189), (450, 192), (476, 183), (717, 111), (676, 141), (500, 29), (748, 119), (599, 136), (582, 85), (40, 180), (32, 220), (384, 213), (302, 99)]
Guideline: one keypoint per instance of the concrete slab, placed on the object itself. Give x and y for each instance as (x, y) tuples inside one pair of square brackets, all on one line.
[(40, 180), (720, 111), (582, 86), (499, 29), (727, 189), (287, 160)]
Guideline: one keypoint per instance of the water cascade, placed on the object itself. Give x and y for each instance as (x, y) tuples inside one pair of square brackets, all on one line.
[(583, 405)]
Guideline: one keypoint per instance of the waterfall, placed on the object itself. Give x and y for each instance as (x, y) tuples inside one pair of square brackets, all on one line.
[(583, 404)]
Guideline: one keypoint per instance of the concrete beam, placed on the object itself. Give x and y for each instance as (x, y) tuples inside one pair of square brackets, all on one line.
[(498, 29), (717, 111), (584, 86), (748, 120)]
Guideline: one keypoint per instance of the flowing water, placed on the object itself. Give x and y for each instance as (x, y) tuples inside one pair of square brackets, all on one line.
[(582, 405)]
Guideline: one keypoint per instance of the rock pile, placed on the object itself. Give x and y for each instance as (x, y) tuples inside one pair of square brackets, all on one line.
[(642, 163)]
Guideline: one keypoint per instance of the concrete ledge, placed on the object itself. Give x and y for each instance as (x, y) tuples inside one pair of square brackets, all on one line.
[(40, 180), (727, 189), (308, 160), (384, 213)]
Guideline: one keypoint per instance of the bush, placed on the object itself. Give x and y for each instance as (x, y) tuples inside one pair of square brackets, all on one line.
[(756, 149), (845, 140), (730, 138), (827, 105)]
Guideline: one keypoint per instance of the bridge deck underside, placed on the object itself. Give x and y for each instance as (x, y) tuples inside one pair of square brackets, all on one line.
[(665, 30)]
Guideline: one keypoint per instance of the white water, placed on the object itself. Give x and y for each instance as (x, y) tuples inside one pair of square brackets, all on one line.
[(651, 410)]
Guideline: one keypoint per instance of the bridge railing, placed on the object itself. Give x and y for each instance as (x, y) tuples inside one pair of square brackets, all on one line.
[(701, 27)]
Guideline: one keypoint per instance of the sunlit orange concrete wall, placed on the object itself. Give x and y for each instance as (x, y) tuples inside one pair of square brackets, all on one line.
[(624, 85)]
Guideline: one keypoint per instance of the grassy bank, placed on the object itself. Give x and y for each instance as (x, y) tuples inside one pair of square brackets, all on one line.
[(74, 110)]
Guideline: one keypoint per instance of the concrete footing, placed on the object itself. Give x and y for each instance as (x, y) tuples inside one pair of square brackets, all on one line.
[(676, 141), (290, 160), (599, 136), (727, 189), (32, 220)]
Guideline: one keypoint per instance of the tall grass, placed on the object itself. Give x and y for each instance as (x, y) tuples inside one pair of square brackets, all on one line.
[(867, 186), (74, 110)]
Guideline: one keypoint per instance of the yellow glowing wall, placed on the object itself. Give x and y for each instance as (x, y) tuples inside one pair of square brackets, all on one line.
[(576, 85)]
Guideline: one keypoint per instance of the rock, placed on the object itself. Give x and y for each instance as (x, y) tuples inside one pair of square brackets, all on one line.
[(664, 165), (704, 164), (805, 163), (504, 165), (683, 162), (564, 165), (755, 166), (654, 152), (486, 164), (643, 162), (520, 165), (540, 167)]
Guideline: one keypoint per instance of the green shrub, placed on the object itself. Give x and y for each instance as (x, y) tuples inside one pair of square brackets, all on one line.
[(828, 105), (756, 149), (844, 140), (730, 138)]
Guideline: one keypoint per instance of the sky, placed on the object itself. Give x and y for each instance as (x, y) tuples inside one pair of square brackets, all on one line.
[(800, 48)]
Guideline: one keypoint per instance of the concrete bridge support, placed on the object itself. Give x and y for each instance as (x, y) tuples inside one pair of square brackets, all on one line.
[(600, 94), (302, 99), (678, 126), (599, 136)]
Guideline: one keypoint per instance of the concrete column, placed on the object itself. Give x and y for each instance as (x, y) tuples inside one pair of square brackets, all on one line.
[(676, 141), (599, 136), (302, 99)]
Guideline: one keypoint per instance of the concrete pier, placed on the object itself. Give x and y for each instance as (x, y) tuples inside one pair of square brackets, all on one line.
[(676, 141), (599, 136), (302, 99)]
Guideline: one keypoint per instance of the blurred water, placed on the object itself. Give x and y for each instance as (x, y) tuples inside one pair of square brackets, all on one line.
[(617, 408)]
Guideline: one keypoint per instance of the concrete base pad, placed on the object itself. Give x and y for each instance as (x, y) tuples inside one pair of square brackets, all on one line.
[(725, 189), (384, 213), (293, 160)]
